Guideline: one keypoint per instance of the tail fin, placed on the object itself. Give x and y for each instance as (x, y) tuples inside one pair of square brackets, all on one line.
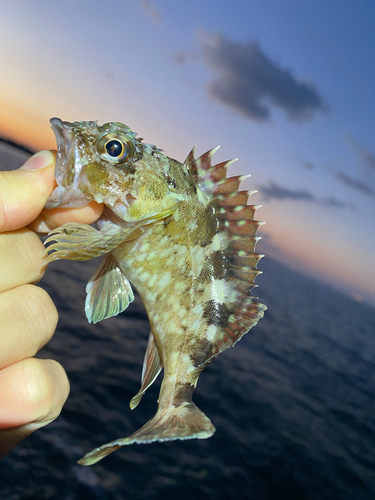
[(185, 421)]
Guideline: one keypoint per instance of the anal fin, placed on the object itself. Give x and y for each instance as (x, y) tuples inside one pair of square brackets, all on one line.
[(152, 366)]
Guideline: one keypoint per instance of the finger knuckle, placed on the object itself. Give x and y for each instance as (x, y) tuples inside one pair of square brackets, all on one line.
[(34, 386), (42, 387), (5, 187), (40, 308), (31, 250)]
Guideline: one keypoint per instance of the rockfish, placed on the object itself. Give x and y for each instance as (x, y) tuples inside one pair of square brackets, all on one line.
[(183, 235)]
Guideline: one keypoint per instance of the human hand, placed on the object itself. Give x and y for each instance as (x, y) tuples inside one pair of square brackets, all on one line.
[(32, 391)]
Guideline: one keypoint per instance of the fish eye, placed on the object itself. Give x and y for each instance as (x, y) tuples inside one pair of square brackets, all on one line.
[(115, 147)]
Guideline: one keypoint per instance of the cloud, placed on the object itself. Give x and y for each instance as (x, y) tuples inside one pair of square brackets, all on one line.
[(180, 57), (250, 82), (274, 191), (308, 165), (367, 157), (184, 57), (277, 192), (360, 186), (150, 9), (363, 181), (332, 202)]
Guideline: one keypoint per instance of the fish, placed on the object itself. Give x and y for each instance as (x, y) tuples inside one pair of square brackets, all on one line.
[(183, 235)]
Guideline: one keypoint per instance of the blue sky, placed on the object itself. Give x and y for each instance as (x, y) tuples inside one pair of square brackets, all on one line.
[(287, 87)]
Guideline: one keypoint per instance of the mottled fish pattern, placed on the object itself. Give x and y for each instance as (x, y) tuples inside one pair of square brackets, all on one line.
[(183, 235)]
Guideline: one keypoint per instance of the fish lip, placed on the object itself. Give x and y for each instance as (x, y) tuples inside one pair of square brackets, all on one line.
[(63, 144)]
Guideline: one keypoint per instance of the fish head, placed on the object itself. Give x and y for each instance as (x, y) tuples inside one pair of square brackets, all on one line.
[(109, 164)]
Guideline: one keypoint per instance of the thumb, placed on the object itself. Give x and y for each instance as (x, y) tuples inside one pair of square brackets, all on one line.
[(23, 192)]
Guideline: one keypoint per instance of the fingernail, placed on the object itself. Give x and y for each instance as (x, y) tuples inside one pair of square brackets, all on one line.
[(38, 161)]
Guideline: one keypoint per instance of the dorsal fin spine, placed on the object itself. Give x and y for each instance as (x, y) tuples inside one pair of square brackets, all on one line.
[(217, 172), (237, 229)]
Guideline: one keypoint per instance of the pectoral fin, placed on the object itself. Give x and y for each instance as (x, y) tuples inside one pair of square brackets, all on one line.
[(108, 292), (75, 241), (152, 366)]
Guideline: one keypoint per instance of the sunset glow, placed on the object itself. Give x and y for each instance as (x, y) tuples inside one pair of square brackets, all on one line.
[(280, 86)]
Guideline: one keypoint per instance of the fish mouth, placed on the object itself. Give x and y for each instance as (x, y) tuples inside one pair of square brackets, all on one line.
[(63, 135), (64, 139)]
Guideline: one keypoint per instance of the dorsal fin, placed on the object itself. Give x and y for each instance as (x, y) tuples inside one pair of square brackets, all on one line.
[(236, 239)]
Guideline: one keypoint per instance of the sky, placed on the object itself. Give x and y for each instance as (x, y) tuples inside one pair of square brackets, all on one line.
[(286, 87)]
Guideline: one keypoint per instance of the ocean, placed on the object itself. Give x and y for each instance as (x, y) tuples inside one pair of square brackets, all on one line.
[(293, 402)]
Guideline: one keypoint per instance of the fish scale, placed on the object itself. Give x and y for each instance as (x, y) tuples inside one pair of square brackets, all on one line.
[(184, 236)]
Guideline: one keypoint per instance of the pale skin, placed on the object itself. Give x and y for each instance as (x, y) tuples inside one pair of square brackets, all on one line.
[(32, 391)]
